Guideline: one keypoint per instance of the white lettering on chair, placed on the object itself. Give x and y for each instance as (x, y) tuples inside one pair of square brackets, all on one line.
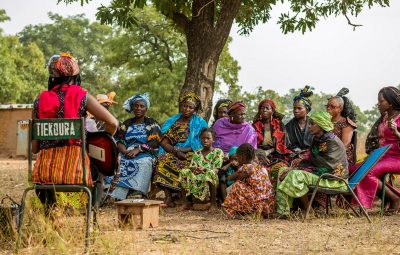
[(55, 131), (72, 131), (45, 129), (61, 129), (66, 126), (38, 128), (50, 129)]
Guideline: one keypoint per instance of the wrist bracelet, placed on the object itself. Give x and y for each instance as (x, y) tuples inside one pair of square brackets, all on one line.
[(140, 148)]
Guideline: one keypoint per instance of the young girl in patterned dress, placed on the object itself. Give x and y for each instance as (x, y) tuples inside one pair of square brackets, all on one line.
[(252, 191), (201, 178)]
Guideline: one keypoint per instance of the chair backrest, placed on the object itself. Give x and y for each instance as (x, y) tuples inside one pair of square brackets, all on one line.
[(57, 129), (367, 165)]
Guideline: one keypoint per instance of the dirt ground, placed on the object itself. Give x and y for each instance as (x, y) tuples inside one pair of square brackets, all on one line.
[(194, 232)]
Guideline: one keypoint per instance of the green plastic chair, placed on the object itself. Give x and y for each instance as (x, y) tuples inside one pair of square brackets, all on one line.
[(351, 183), (39, 130)]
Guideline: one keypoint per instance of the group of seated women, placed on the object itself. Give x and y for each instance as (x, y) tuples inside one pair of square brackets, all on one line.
[(258, 167)]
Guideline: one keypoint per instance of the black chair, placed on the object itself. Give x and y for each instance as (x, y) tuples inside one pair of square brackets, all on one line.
[(37, 131)]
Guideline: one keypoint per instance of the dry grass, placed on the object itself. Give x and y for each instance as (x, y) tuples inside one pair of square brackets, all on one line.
[(200, 233)]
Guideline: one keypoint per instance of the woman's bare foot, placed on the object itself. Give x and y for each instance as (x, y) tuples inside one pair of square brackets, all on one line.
[(186, 206), (213, 209), (393, 208)]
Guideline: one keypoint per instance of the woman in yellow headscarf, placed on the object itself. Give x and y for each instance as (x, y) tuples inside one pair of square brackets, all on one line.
[(327, 155)]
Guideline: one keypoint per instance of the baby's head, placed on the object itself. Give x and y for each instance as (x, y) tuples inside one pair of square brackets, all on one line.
[(261, 157), (245, 153), (233, 157), (207, 137)]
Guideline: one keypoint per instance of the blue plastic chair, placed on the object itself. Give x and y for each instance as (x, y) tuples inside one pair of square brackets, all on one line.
[(351, 183)]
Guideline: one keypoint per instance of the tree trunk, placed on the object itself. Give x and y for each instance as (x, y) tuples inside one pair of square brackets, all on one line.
[(200, 77), (205, 41)]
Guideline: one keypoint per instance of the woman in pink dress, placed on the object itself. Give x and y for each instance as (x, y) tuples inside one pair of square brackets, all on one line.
[(385, 131)]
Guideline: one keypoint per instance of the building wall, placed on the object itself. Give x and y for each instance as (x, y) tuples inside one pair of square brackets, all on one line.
[(8, 129)]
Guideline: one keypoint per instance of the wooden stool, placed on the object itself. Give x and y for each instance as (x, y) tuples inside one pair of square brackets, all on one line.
[(140, 212)]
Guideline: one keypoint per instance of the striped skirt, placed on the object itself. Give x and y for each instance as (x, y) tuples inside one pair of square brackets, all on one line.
[(61, 165)]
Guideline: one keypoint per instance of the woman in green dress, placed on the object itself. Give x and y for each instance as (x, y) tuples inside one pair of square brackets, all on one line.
[(327, 155)]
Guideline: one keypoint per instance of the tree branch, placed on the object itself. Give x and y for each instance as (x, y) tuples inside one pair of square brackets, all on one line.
[(229, 10), (181, 21), (350, 23), (198, 13)]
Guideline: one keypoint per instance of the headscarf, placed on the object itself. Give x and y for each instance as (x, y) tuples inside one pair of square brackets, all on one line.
[(133, 99), (348, 111), (275, 114), (323, 120), (303, 98), (192, 97), (232, 151), (392, 95), (108, 99), (236, 106), (62, 65), (220, 103)]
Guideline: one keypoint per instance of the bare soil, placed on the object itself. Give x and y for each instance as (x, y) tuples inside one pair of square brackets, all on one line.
[(194, 232)]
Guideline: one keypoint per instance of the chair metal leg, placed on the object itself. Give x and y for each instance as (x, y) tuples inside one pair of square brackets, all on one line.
[(21, 216), (89, 211), (327, 203), (351, 207), (383, 194), (310, 202), (359, 204)]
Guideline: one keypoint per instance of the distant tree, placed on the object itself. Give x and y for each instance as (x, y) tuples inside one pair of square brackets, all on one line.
[(80, 37), (21, 68)]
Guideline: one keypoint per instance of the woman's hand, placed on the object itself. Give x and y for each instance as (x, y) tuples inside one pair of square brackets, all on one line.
[(284, 173), (393, 127), (132, 153), (234, 163), (180, 155), (198, 170), (242, 175)]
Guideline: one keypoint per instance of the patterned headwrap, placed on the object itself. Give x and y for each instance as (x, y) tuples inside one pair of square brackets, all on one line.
[(139, 97), (268, 101), (232, 151), (220, 103), (192, 97), (236, 106), (61, 65), (108, 99), (303, 98), (323, 120), (392, 95)]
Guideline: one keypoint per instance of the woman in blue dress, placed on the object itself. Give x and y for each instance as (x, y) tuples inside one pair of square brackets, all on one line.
[(138, 141)]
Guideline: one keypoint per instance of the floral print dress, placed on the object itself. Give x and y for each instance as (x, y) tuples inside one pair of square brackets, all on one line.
[(197, 184), (253, 194)]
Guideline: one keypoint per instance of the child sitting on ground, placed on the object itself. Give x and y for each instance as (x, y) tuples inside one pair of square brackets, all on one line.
[(201, 178), (252, 191), (225, 173)]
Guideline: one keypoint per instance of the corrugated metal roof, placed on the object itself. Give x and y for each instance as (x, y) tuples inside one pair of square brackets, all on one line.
[(15, 106)]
